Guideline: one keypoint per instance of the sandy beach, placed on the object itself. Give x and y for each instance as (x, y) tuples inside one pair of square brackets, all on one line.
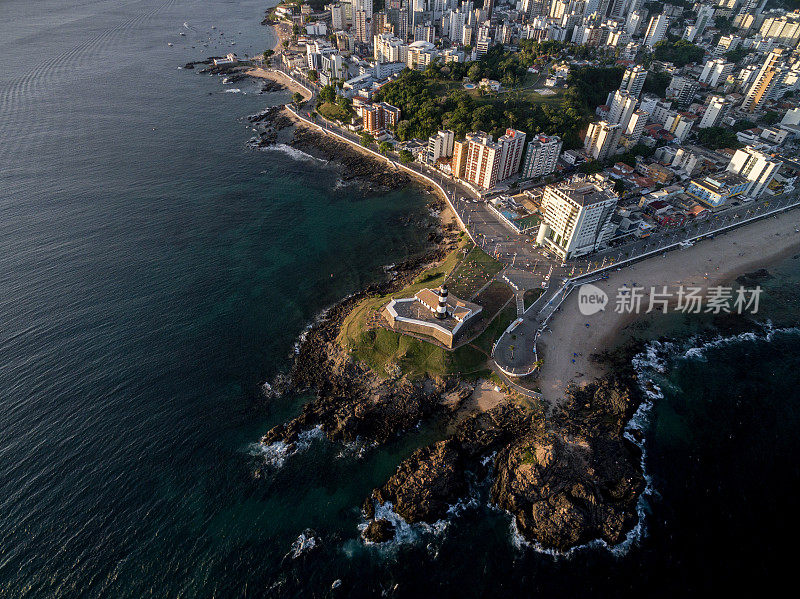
[(708, 263)]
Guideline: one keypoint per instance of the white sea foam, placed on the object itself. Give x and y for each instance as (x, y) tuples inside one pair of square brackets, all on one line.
[(404, 532), (304, 543), (291, 152), (275, 454), (233, 90)]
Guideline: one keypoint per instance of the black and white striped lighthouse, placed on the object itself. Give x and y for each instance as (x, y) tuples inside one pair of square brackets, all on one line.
[(441, 309)]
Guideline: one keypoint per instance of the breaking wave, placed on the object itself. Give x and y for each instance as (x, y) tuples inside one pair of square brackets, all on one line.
[(292, 152), (275, 454)]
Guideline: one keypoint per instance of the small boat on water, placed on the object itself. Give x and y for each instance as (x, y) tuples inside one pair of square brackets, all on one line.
[(169, 44)]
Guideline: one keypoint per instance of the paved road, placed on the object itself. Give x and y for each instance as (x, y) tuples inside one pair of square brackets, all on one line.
[(515, 351), (530, 267)]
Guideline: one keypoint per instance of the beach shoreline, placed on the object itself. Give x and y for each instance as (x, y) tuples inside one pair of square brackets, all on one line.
[(709, 263), (279, 77)]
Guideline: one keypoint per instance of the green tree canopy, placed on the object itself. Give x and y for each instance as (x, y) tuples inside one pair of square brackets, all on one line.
[(366, 139), (406, 157), (680, 52)]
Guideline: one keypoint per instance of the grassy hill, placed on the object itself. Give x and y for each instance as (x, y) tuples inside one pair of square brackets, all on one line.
[(383, 349)]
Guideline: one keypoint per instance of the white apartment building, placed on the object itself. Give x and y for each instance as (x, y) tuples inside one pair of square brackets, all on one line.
[(755, 166), (715, 112), (601, 139), (656, 30), (784, 30), (633, 80), (577, 217), (542, 156), (680, 124), (716, 72), (440, 145), (633, 132), (337, 16), (512, 146), (620, 108), (726, 44), (389, 48)]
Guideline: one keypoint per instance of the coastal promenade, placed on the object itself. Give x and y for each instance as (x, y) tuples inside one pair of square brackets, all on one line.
[(515, 355)]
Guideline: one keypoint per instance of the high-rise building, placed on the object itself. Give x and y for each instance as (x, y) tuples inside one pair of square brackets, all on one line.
[(490, 162), (716, 110), (621, 108), (716, 72), (765, 81), (379, 117), (755, 166), (705, 13), (601, 139), (656, 30), (542, 156), (388, 48), (682, 89), (363, 26), (512, 146), (783, 30), (440, 145), (459, 162), (727, 43), (635, 21), (365, 5), (633, 80), (633, 132), (483, 160), (337, 16), (620, 8), (577, 216), (680, 124)]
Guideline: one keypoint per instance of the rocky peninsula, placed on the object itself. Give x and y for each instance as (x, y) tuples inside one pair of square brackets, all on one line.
[(566, 473)]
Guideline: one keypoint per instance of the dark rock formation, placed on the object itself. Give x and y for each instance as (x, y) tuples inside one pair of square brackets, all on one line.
[(268, 85), (379, 531), (575, 478), (372, 171), (426, 484)]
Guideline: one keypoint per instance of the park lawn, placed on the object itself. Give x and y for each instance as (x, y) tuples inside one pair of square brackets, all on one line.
[(333, 112), (473, 272), (505, 317), (379, 347), (355, 323)]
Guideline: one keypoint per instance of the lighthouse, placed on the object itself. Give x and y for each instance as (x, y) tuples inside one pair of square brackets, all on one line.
[(441, 309)]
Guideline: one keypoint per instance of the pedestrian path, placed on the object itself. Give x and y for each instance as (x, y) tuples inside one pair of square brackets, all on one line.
[(520, 302)]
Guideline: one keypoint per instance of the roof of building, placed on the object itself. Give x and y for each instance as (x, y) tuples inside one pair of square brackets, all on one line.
[(585, 193)]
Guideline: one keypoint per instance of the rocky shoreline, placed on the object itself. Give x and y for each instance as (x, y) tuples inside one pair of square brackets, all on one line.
[(567, 478), (233, 74)]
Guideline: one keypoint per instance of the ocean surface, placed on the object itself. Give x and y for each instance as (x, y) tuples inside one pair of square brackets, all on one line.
[(155, 271)]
